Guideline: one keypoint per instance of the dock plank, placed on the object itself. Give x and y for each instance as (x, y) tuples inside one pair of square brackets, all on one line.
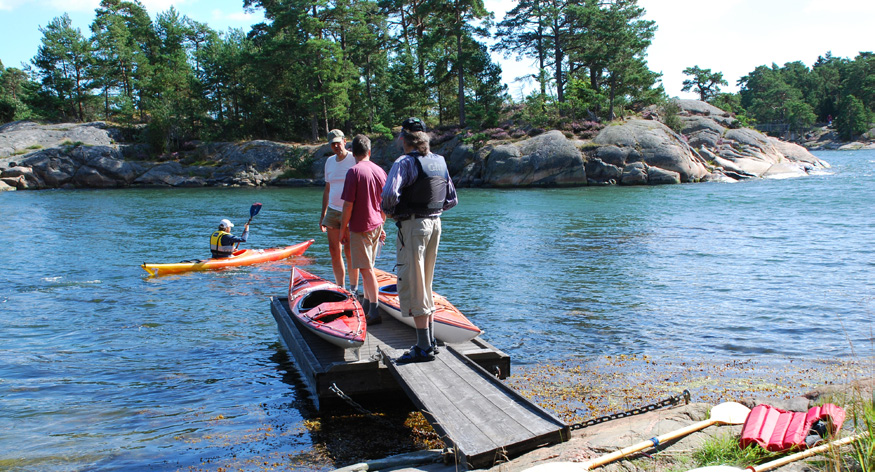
[(481, 417)]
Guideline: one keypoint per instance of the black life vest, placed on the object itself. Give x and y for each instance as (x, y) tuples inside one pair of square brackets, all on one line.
[(216, 244), (427, 195)]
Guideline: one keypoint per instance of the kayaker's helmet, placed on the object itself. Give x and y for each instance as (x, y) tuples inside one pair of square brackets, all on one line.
[(226, 223)]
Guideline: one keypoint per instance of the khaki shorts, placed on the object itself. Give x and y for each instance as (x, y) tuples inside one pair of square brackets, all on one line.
[(363, 248), (332, 218)]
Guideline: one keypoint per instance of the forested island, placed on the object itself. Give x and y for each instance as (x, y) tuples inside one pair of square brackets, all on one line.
[(174, 94)]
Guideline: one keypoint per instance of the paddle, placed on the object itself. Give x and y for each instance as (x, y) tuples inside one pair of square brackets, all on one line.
[(725, 413), (253, 210), (782, 461)]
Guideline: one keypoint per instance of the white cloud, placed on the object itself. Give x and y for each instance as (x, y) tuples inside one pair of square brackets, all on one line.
[(59, 5), (242, 17), (74, 5), (855, 7), (9, 5), (157, 6), (237, 16)]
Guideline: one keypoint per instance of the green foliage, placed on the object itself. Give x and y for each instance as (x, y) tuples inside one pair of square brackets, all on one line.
[(299, 161), (537, 111), (7, 110), (383, 131), (63, 61), (800, 97), (863, 416), (476, 139), (364, 66), (724, 450), (704, 82), (854, 118), (670, 115)]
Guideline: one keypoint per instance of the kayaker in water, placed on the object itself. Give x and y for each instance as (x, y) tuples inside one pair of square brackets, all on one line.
[(418, 189), (336, 167), (222, 241), (362, 220)]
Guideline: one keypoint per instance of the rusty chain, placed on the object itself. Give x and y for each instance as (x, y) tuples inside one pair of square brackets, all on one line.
[(685, 396)]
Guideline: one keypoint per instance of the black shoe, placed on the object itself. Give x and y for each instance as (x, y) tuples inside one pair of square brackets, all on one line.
[(373, 320), (415, 354)]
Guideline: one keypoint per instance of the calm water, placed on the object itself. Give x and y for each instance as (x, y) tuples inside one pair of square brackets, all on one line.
[(102, 368)]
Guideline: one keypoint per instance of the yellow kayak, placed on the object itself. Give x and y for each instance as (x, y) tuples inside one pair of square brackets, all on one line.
[(239, 258)]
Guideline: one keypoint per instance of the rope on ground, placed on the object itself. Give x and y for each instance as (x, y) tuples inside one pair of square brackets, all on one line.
[(671, 401)]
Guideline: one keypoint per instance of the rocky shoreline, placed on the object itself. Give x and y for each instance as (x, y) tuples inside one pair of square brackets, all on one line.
[(639, 151), (594, 441)]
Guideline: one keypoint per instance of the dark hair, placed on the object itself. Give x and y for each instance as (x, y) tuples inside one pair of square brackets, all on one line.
[(361, 145), (418, 140)]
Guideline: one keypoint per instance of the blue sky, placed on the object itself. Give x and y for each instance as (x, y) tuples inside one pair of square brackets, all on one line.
[(728, 36)]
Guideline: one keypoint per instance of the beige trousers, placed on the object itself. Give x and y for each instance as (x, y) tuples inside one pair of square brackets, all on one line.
[(416, 253)]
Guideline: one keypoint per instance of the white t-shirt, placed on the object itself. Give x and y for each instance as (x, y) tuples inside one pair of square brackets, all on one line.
[(335, 175)]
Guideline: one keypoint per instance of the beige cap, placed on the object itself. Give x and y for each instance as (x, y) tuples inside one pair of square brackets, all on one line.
[(335, 136)]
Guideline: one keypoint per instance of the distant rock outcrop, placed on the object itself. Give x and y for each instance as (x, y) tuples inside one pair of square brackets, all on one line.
[(708, 146), (740, 153)]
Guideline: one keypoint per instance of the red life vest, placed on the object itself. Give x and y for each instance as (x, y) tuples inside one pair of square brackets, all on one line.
[(779, 430)]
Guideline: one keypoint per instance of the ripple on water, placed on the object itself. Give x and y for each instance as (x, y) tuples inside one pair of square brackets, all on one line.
[(105, 368)]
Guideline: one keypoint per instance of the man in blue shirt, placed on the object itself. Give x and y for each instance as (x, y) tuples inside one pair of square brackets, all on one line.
[(417, 190)]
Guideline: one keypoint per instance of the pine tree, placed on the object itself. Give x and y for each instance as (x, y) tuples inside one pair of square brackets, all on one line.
[(64, 60)]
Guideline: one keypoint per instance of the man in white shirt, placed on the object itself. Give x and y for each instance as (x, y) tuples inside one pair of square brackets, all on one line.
[(336, 167)]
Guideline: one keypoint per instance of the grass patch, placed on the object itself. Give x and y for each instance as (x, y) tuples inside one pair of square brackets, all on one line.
[(202, 163), (863, 418), (34, 147), (724, 450)]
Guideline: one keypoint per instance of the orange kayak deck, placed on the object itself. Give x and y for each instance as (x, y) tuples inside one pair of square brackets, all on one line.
[(450, 325), (242, 257)]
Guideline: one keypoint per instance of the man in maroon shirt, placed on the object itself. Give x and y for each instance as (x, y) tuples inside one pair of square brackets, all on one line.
[(362, 220)]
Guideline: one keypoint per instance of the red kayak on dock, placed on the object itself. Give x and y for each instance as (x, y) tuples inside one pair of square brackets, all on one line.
[(327, 310), (450, 325)]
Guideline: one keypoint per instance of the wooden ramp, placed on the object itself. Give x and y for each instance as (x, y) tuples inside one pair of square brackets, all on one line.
[(482, 419)]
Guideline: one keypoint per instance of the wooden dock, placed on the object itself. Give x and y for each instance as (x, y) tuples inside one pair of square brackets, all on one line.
[(460, 392), (323, 364)]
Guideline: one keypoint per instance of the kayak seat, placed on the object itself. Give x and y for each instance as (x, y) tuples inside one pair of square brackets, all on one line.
[(318, 297), (391, 289), (328, 312)]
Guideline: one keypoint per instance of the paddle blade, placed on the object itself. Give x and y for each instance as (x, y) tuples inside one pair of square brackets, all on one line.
[(729, 413), (254, 209)]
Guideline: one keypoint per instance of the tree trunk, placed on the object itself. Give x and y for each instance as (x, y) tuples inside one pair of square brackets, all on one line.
[(369, 94), (79, 96), (542, 56), (611, 110), (325, 113), (460, 67)]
